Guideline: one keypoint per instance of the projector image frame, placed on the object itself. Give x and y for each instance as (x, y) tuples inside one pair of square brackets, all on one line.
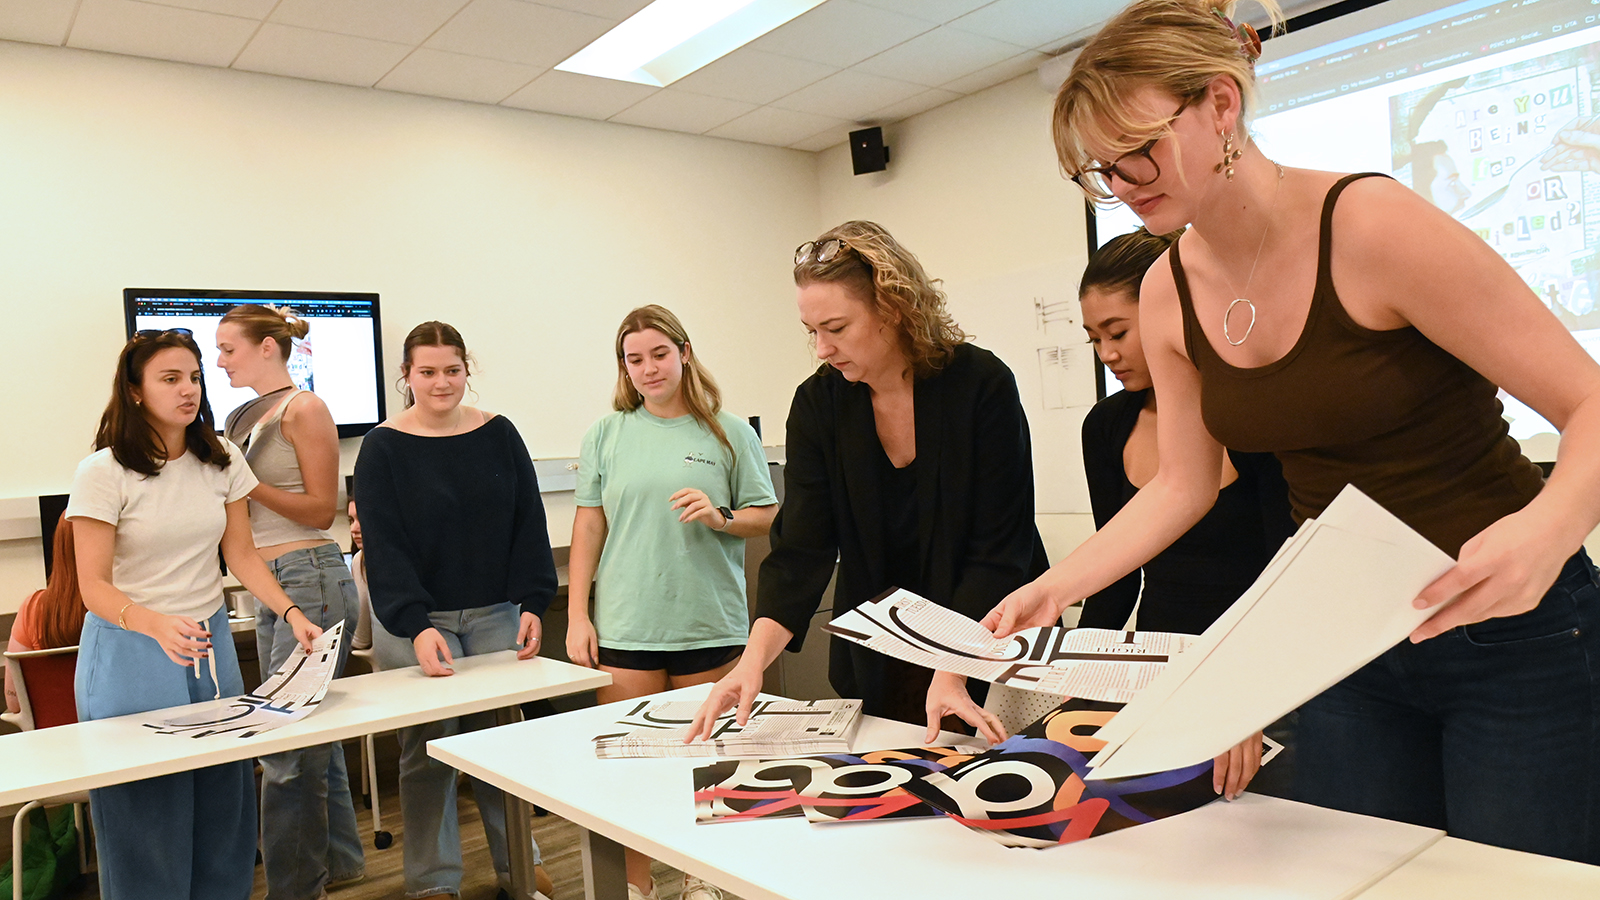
[(356, 398)]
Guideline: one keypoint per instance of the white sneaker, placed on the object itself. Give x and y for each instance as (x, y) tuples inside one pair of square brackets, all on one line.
[(695, 889), (635, 894)]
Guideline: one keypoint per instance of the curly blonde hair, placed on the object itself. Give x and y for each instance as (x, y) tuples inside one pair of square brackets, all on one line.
[(1177, 46), (886, 276)]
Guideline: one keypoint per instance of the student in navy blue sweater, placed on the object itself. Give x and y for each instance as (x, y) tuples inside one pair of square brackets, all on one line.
[(459, 564)]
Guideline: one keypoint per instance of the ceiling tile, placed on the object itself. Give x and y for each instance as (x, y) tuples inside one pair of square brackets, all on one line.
[(998, 73), (831, 137), (1036, 23), (849, 95), (841, 33), (440, 74), (753, 76), (909, 107), (682, 111), (569, 94), (940, 11), (940, 56), (777, 127), (401, 21), (36, 21), (616, 10), (319, 55), (159, 32), (244, 9), (514, 31)]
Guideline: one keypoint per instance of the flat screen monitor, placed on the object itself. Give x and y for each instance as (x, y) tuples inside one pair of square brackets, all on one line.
[(1488, 108), (340, 359)]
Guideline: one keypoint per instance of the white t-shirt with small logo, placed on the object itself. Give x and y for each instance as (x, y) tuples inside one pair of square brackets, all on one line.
[(169, 526)]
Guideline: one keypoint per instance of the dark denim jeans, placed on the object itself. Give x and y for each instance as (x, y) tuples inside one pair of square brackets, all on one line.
[(1491, 731)]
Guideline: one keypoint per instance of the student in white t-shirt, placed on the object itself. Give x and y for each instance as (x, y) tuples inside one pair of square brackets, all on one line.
[(669, 486), (150, 508)]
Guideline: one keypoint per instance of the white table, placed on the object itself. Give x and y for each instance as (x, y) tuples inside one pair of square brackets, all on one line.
[(70, 758), (1255, 847), (1453, 869)]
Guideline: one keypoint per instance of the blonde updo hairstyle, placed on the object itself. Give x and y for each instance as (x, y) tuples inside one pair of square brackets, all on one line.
[(1176, 46), (698, 389), (881, 273), (257, 323)]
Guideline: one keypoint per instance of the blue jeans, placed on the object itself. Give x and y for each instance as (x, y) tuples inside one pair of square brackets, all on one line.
[(189, 835), (1490, 731), (308, 822), (428, 787)]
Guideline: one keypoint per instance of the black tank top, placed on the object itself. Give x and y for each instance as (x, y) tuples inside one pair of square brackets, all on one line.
[(1390, 412)]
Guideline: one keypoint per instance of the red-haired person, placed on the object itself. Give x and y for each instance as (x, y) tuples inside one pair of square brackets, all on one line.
[(150, 508), (52, 617)]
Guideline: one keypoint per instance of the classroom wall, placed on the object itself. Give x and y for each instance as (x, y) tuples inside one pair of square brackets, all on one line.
[(532, 233), (973, 189)]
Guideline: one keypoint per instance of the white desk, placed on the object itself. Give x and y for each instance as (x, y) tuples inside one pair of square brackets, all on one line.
[(1454, 869), (71, 758), (1256, 847)]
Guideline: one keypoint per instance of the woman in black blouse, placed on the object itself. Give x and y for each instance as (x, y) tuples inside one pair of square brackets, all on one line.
[(909, 464), (1188, 585)]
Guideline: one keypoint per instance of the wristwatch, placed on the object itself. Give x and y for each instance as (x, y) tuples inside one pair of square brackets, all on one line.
[(727, 517)]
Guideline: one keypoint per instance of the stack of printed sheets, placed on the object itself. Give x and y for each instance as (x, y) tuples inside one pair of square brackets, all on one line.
[(774, 728)]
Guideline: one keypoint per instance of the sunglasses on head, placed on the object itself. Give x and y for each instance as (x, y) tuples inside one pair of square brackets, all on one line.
[(145, 334), (821, 251)]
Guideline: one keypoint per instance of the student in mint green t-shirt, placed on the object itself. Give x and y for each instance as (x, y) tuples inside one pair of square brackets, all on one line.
[(669, 486)]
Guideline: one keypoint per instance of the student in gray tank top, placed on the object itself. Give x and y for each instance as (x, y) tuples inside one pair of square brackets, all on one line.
[(310, 842)]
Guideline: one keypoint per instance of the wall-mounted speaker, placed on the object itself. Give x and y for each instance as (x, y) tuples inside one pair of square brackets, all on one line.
[(867, 152)]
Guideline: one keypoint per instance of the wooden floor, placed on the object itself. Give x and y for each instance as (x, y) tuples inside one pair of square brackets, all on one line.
[(557, 839)]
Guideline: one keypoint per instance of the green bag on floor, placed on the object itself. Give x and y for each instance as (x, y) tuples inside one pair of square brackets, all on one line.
[(49, 855)]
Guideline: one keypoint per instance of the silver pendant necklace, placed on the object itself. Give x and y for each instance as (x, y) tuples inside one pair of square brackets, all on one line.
[(1227, 314)]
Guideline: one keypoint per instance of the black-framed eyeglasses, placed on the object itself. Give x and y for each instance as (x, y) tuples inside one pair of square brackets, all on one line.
[(1137, 167), (821, 251)]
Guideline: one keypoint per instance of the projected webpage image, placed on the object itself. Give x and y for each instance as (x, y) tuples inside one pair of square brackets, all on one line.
[(338, 359), (1486, 108)]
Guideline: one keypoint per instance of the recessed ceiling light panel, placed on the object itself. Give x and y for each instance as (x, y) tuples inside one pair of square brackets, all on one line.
[(671, 38)]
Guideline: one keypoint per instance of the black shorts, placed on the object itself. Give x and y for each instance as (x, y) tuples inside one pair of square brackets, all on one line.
[(677, 663)]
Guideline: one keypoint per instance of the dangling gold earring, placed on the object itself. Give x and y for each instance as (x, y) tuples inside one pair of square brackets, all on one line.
[(1230, 155)]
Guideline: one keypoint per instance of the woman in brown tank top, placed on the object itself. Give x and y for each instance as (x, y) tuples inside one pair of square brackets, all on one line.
[(1370, 359)]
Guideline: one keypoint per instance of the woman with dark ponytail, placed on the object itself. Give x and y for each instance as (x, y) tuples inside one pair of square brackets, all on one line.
[(1186, 586)]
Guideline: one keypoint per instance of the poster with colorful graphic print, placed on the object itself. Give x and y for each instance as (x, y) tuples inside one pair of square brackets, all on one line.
[(1029, 791), (824, 789)]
